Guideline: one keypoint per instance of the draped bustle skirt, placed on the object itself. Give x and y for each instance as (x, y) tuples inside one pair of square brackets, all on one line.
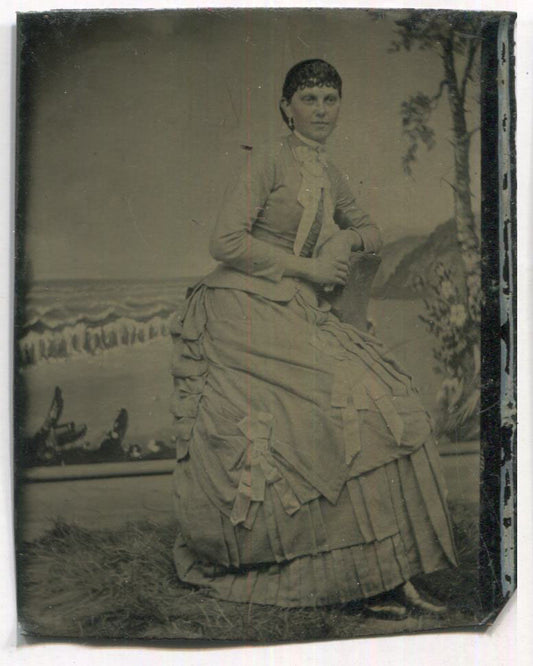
[(307, 470)]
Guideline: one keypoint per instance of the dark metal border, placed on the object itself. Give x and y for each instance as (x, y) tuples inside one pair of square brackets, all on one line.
[(498, 324)]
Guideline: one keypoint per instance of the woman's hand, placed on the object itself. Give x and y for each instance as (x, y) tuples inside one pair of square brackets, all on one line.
[(330, 268), (327, 271), (341, 245)]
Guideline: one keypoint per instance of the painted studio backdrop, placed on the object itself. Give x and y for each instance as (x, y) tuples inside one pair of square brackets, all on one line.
[(133, 124)]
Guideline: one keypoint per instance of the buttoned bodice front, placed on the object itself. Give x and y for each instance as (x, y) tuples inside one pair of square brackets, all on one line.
[(264, 208)]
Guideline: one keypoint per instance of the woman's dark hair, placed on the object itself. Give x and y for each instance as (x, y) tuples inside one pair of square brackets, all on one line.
[(307, 74)]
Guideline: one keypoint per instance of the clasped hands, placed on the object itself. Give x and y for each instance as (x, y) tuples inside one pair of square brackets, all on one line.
[(332, 265)]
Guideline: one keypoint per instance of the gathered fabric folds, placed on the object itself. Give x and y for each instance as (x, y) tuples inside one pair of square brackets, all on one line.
[(307, 471)]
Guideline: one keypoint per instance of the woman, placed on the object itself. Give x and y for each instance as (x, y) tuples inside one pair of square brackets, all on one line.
[(307, 471)]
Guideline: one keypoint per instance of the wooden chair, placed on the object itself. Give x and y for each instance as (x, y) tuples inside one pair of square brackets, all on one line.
[(350, 303)]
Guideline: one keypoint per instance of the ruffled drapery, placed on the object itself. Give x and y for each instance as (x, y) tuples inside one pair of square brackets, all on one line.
[(302, 446)]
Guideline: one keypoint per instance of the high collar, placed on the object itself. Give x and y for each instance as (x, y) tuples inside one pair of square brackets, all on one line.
[(303, 140)]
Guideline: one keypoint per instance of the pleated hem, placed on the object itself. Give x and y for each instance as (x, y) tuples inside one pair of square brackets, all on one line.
[(339, 576), (399, 527)]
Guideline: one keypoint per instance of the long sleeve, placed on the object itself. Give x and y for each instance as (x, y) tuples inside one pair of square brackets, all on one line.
[(348, 215), (232, 241)]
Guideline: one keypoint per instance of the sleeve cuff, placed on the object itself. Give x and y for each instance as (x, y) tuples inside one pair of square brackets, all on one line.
[(370, 238)]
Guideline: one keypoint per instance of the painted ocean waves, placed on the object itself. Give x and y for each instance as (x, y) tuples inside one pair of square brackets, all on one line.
[(87, 317)]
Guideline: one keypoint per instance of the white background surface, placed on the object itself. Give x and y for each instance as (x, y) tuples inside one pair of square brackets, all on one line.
[(509, 641)]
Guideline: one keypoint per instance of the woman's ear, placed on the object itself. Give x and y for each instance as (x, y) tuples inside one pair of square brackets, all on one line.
[(285, 107)]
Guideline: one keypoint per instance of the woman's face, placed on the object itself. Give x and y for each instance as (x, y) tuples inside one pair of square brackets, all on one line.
[(314, 111)]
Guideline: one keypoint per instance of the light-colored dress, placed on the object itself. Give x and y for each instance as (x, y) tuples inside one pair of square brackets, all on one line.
[(307, 471)]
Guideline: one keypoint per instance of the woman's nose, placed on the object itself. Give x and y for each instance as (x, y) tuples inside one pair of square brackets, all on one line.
[(320, 109)]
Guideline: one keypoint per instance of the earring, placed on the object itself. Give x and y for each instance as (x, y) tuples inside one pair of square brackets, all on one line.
[(291, 124)]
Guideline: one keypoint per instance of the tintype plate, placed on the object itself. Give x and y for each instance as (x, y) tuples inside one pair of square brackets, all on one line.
[(264, 454)]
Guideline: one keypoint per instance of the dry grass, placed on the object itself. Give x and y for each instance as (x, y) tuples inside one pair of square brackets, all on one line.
[(76, 583)]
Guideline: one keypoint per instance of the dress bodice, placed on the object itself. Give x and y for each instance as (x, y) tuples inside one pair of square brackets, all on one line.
[(263, 210)]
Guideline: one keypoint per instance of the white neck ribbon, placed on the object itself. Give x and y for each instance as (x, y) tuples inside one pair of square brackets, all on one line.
[(312, 163)]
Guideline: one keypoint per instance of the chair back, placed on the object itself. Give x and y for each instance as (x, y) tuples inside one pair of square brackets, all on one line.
[(350, 303)]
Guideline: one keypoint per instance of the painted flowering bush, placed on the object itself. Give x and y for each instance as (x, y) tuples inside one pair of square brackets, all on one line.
[(452, 315)]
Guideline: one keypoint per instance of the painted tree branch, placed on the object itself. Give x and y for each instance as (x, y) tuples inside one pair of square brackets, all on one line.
[(438, 94), (452, 38), (456, 36), (472, 49)]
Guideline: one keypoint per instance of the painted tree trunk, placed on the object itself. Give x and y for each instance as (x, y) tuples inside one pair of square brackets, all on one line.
[(464, 216), (464, 417)]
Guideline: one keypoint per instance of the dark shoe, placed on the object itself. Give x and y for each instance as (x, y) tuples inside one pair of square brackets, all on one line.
[(412, 598), (385, 609)]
